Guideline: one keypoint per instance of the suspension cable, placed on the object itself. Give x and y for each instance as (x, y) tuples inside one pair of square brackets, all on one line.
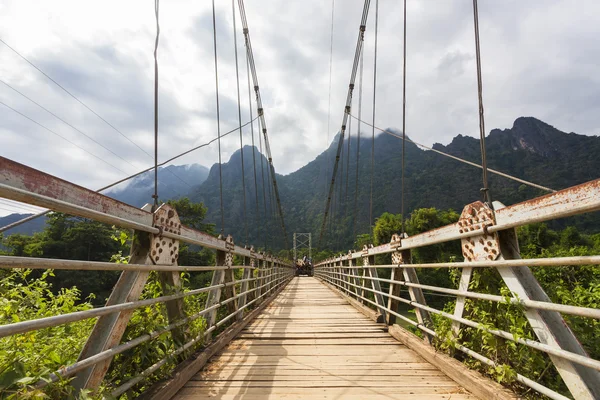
[(32, 217), (263, 121), (360, 90), (214, 18), (72, 95), (60, 136), (403, 121), (237, 75), (505, 175), (155, 195), (264, 190), (357, 52), (348, 163), (371, 222), (487, 198), (258, 224), (329, 91)]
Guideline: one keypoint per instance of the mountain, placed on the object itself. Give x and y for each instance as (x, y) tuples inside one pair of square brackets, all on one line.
[(531, 150), (28, 228), (174, 181)]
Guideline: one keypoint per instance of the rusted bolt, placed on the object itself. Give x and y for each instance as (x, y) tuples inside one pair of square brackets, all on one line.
[(157, 244), (170, 244), (480, 241), (160, 250), (153, 252), (164, 242), (156, 259), (460, 231), (489, 243), (485, 249), (171, 213)]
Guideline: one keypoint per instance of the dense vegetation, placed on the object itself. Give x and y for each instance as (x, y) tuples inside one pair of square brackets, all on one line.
[(574, 285), (27, 358)]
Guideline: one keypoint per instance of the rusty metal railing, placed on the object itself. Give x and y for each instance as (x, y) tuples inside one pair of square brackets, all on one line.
[(157, 236), (488, 240)]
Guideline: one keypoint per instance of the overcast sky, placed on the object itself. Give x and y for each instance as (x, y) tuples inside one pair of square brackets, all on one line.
[(539, 58)]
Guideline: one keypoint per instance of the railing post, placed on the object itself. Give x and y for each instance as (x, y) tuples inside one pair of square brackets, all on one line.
[(353, 271), (166, 251), (109, 329), (223, 259), (229, 290), (476, 248), (549, 326), (370, 261), (259, 281), (247, 274)]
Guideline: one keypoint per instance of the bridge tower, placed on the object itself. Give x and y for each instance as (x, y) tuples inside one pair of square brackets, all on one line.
[(302, 241)]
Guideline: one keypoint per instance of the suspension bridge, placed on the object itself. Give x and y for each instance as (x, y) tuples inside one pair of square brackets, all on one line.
[(268, 334)]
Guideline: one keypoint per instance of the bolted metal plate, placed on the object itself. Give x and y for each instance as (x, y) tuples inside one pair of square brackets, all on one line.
[(396, 242), (481, 247), (165, 250)]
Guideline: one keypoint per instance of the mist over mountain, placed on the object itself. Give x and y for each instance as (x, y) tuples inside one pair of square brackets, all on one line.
[(531, 150), (174, 181)]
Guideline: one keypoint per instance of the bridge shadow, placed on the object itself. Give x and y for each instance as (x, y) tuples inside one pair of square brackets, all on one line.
[(279, 355)]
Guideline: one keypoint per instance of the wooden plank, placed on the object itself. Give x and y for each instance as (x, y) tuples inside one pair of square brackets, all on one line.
[(166, 390), (299, 348), (194, 393)]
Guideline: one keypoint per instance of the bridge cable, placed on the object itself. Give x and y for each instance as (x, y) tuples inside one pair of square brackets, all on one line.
[(237, 75), (262, 172), (360, 90), (155, 195), (65, 122), (214, 20), (329, 92), (32, 217), (60, 136), (74, 97), (84, 105), (263, 121), (487, 198), (505, 175), (371, 222), (76, 129), (403, 122), (258, 224), (359, 44), (348, 165)]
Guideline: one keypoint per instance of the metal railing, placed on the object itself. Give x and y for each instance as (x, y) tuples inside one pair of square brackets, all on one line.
[(488, 240), (155, 247)]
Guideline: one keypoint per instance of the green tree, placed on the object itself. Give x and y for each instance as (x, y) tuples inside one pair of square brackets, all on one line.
[(385, 226), (192, 214)]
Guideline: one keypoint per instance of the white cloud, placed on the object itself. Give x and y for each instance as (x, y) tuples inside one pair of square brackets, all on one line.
[(539, 59)]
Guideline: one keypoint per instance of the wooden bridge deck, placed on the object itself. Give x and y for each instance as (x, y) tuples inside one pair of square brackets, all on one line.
[(310, 343)]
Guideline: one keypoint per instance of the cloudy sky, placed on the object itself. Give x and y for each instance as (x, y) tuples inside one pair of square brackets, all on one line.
[(540, 58)]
